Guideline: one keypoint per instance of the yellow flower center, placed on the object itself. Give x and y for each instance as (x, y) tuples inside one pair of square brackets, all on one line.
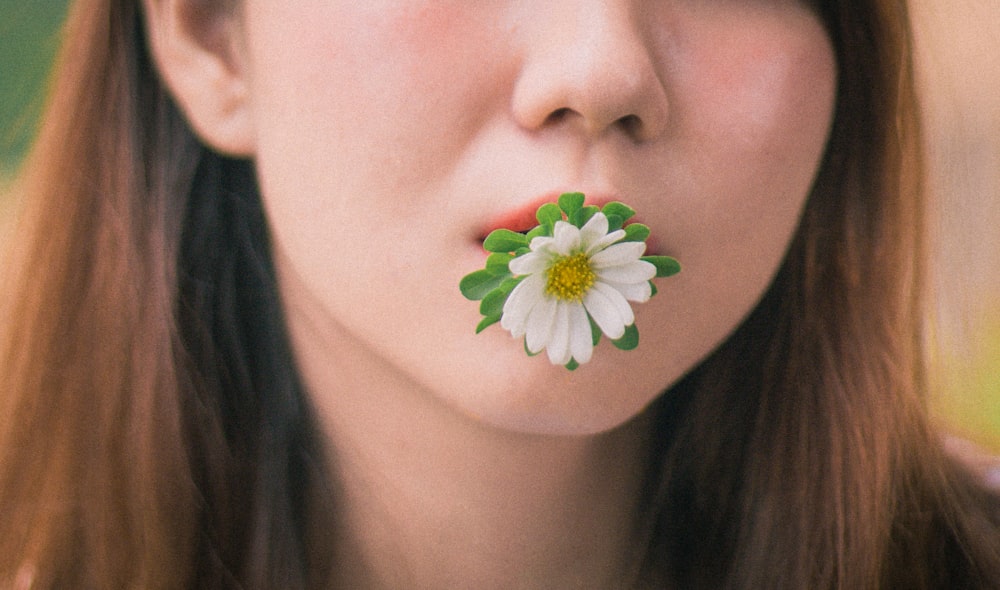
[(570, 277)]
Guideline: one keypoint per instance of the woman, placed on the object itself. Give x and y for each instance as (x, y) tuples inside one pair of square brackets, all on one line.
[(238, 356)]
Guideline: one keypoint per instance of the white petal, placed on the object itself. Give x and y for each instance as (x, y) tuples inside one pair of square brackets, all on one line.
[(616, 298), (542, 243), (606, 241), (519, 304), (581, 340), (530, 263), (618, 254), (592, 231), (633, 272), (638, 292), (539, 325), (606, 312), (567, 238), (558, 347)]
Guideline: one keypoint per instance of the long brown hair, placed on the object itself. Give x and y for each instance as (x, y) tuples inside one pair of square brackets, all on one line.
[(799, 455), (154, 433)]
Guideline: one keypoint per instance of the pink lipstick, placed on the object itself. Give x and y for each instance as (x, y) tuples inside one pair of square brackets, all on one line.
[(522, 219)]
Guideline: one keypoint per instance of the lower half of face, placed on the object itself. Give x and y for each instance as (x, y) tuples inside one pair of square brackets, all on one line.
[(391, 136)]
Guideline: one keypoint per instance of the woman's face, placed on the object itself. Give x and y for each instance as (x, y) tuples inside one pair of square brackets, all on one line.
[(391, 135)]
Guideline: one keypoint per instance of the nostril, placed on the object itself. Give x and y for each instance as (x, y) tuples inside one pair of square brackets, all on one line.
[(631, 125), (558, 115)]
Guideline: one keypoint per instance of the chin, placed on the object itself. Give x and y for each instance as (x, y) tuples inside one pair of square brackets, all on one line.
[(535, 397)]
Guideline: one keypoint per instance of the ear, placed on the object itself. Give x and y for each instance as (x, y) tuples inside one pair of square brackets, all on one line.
[(198, 50)]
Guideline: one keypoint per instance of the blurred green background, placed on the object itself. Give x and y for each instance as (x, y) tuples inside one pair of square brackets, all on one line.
[(959, 55), (28, 41)]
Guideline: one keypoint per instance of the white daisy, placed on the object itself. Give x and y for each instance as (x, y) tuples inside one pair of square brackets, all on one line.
[(576, 275)]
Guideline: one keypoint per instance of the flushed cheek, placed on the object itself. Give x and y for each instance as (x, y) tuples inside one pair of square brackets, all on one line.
[(754, 108), (376, 86), (339, 139), (768, 92)]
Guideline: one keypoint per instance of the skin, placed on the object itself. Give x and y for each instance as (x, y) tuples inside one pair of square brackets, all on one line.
[(388, 134)]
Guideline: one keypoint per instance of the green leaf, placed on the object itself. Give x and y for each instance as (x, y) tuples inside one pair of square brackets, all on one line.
[(549, 213), (582, 216), (486, 323), (620, 209), (493, 302), (476, 285), (572, 365), (595, 330), (665, 265), (570, 203), (504, 240), (614, 222), (654, 291), (539, 230), (498, 263), (636, 232), (508, 284), (629, 340)]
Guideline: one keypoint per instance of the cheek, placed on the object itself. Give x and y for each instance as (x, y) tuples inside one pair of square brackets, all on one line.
[(755, 108), (765, 91), (761, 100), (360, 108), (360, 88)]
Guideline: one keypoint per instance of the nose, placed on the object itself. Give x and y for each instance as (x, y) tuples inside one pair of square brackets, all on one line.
[(589, 67)]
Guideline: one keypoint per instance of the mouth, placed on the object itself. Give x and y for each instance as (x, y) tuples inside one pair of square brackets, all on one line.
[(522, 219)]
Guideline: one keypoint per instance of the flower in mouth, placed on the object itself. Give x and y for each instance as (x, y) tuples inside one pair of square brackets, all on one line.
[(568, 280)]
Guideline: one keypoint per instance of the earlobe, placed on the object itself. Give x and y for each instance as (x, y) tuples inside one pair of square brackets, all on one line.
[(197, 49)]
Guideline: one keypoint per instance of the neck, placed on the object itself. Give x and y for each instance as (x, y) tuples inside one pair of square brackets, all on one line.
[(448, 514), (430, 498)]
